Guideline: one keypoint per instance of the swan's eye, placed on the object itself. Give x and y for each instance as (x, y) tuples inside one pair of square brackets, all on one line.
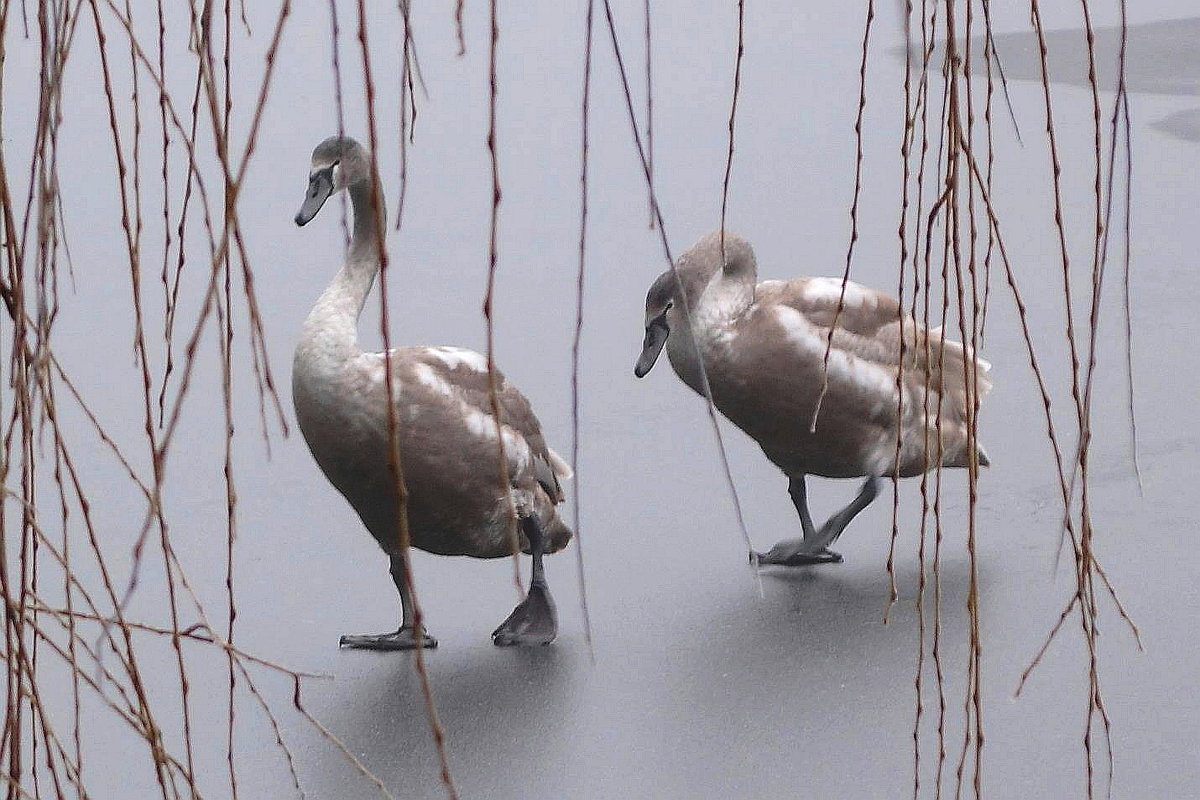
[(661, 319), (670, 304)]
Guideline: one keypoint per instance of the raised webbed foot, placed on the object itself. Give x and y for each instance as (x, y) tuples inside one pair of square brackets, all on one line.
[(793, 553), (403, 639), (533, 622)]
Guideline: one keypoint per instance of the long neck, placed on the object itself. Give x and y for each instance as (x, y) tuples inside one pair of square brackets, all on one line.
[(332, 325), (364, 244), (716, 309), (723, 300)]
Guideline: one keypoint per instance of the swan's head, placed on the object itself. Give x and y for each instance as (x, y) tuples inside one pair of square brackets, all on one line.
[(337, 163), (662, 313), (693, 272)]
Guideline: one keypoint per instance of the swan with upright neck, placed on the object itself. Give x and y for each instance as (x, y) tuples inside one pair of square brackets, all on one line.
[(457, 502), (762, 348)]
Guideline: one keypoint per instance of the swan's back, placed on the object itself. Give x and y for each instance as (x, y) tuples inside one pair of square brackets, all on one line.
[(871, 325), (456, 501), (775, 370)]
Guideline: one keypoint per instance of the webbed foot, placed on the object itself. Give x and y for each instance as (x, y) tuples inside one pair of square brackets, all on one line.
[(793, 553), (533, 622), (403, 639)]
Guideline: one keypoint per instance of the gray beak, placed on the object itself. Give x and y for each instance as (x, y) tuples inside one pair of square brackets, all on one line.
[(657, 332), (320, 186)]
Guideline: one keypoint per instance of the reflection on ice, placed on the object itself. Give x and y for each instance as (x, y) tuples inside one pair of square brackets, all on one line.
[(1161, 58), (1182, 125)]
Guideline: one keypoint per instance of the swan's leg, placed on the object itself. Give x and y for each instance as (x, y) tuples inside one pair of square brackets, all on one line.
[(814, 547), (534, 621), (794, 552), (798, 490), (834, 526), (408, 637)]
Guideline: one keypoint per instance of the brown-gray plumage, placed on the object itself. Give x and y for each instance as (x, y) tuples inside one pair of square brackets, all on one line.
[(457, 502), (763, 347)]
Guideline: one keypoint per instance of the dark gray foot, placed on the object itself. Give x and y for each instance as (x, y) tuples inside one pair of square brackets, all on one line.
[(403, 639), (791, 553), (533, 622)]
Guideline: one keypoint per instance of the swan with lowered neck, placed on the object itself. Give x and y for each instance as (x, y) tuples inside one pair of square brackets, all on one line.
[(762, 347), (455, 502)]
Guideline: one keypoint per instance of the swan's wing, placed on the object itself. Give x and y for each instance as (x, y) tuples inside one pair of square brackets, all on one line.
[(464, 374), (868, 325), (871, 325)]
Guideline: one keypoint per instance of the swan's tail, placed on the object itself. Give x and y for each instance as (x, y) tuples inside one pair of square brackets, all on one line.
[(955, 354), (558, 534), (560, 466)]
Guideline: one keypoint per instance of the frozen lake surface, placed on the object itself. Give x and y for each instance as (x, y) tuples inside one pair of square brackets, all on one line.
[(706, 681)]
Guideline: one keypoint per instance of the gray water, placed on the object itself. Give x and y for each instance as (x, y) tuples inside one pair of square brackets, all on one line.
[(707, 682)]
